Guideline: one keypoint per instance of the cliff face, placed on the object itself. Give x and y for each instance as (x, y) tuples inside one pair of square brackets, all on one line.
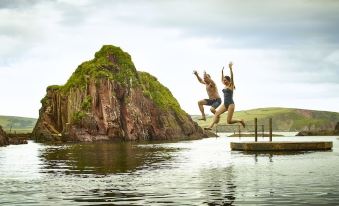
[(107, 98), (3, 138)]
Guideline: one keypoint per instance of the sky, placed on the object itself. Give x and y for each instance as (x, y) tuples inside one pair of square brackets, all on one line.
[(285, 52)]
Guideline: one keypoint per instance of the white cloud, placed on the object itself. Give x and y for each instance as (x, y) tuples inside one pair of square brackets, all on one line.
[(283, 55)]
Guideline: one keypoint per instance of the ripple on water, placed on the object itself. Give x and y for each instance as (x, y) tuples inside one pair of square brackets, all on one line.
[(200, 172)]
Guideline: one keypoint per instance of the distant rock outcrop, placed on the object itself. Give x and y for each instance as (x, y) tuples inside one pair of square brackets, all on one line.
[(107, 98), (315, 133), (3, 138), (336, 129), (320, 132), (6, 139)]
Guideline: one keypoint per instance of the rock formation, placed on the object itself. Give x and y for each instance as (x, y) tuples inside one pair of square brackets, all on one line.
[(3, 138), (315, 133), (336, 129), (320, 132), (107, 98)]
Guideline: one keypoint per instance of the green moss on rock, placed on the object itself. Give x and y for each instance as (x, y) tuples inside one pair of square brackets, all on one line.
[(53, 87), (158, 93), (78, 116), (109, 62), (86, 104), (44, 100)]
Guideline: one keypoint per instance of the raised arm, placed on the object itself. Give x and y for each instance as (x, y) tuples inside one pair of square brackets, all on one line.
[(198, 77), (222, 75), (230, 65)]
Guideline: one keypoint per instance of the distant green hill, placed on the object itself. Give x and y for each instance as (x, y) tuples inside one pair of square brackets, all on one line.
[(18, 124), (284, 119)]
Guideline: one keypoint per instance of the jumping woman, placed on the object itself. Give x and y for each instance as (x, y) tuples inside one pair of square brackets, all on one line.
[(228, 100)]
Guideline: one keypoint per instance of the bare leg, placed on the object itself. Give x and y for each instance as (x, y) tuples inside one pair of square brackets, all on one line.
[(217, 119), (230, 116), (201, 104), (213, 110), (217, 114)]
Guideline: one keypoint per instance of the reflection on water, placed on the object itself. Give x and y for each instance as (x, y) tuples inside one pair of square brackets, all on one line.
[(102, 158), (199, 172), (269, 155)]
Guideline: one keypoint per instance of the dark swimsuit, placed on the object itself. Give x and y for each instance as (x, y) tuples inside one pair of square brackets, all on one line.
[(213, 102), (228, 97)]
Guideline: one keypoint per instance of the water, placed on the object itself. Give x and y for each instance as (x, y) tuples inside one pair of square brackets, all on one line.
[(198, 172)]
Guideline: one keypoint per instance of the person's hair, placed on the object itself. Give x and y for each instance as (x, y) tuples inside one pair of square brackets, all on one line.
[(229, 79), (207, 77)]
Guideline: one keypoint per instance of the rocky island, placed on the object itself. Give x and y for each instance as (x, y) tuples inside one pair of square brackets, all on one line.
[(106, 98)]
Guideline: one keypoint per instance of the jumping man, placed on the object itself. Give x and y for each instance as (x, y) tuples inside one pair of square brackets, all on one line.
[(213, 100)]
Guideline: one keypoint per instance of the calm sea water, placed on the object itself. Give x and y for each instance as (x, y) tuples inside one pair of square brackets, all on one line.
[(198, 172)]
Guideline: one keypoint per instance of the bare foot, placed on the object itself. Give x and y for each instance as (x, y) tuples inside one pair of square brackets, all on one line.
[(207, 128), (202, 118), (243, 123)]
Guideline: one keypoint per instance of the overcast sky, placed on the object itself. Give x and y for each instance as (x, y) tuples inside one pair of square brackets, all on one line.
[(285, 53)]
